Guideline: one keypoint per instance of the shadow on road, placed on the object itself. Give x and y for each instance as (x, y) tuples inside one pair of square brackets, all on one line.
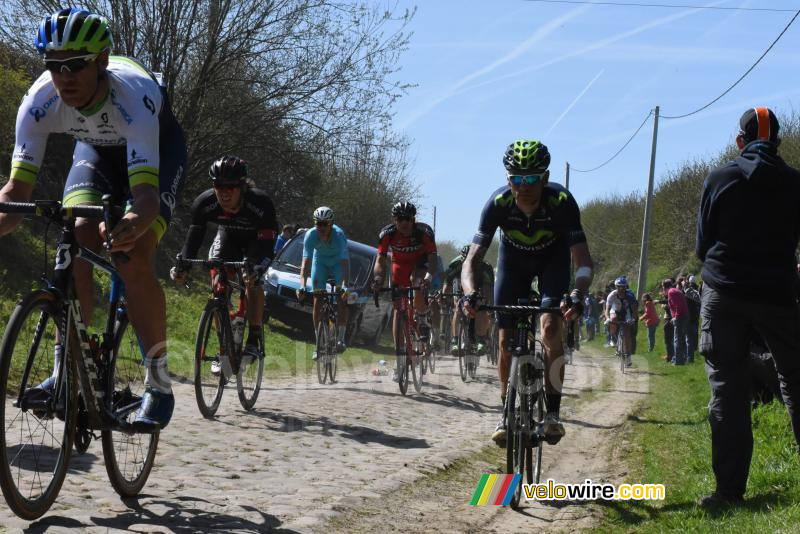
[(183, 515)]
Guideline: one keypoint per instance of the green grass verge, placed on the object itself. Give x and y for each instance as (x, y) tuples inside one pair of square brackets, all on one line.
[(669, 443)]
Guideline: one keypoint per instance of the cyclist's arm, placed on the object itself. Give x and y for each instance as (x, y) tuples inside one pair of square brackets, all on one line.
[(13, 191), (344, 257), (379, 271), (583, 266), (471, 268), (197, 227), (304, 272)]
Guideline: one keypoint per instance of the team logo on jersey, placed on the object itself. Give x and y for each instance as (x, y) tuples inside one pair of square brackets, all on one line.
[(406, 249), (104, 117), (135, 159), (22, 154), (38, 113), (149, 104), (169, 200)]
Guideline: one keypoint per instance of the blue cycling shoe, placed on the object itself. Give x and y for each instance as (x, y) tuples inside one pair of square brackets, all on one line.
[(155, 411)]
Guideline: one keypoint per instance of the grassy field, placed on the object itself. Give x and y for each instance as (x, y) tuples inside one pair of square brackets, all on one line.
[(668, 441)]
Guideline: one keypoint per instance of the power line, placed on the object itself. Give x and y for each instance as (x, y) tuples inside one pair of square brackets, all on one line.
[(679, 6), (606, 241), (742, 77), (609, 160)]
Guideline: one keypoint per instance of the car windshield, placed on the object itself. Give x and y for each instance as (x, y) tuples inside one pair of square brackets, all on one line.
[(292, 254), (360, 261)]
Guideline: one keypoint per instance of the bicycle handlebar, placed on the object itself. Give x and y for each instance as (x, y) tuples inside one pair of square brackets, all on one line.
[(518, 309), (54, 210)]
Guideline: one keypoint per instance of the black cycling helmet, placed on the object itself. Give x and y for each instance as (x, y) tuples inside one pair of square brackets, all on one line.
[(526, 155), (464, 251), (404, 209), (228, 170)]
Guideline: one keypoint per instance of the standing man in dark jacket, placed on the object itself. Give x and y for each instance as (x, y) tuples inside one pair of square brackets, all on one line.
[(747, 234)]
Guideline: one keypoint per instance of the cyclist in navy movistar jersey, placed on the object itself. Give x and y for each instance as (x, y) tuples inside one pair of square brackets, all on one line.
[(485, 286), (540, 227), (128, 145), (325, 249)]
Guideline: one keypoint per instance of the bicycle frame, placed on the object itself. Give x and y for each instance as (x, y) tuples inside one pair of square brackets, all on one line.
[(90, 362)]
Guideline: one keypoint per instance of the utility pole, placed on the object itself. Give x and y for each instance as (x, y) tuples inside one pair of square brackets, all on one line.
[(566, 182), (434, 220), (648, 208)]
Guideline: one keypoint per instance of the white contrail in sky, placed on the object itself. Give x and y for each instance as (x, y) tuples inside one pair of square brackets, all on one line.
[(538, 36), (574, 101), (592, 47)]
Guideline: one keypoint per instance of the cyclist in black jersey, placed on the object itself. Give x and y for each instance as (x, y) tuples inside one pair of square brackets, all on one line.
[(246, 229), (485, 286), (540, 227)]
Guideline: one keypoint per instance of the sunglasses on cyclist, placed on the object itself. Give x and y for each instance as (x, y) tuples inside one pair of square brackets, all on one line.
[(226, 187), (322, 224), (71, 64), (527, 179), (403, 218)]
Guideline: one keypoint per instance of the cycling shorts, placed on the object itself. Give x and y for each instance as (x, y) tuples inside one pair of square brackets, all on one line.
[(229, 245), (514, 279), (100, 170), (401, 272), (322, 272)]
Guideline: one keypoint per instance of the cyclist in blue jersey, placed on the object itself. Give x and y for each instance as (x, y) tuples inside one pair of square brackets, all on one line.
[(540, 229), (621, 309), (129, 145), (325, 249)]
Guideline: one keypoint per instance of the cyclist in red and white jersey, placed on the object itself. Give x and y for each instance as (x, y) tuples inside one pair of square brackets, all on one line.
[(413, 248)]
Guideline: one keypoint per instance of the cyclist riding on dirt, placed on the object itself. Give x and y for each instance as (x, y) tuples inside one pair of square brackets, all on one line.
[(325, 248), (486, 289), (129, 145), (621, 310), (246, 230), (413, 248), (541, 227)]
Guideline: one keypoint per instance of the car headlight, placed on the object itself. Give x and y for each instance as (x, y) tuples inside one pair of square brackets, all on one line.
[(352, 297), (272, 278)]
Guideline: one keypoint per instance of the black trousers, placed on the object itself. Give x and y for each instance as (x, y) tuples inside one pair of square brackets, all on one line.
[(726, 324)]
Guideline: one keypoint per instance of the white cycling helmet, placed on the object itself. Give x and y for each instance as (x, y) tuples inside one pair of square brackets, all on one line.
[(323, 214)]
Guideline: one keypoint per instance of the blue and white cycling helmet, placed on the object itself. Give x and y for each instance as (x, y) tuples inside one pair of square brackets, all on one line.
[(622, 281), (73, 29)]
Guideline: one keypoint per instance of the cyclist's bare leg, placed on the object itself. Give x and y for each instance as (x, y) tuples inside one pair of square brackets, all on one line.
[(87, 235), (342, 311), (145, 298), (255, 305), (504, 365), (419, 296), (482, 324), (551, 326), (316, 311)]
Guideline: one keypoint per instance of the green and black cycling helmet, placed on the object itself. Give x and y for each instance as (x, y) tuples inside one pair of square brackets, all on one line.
[(464, 251), (404, 209), (228, 170), (526, 155), (73, 29)]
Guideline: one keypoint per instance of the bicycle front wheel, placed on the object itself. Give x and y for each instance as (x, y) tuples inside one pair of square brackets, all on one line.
[(36, 434), (211, 355), (323, 345), (535, 458), (402, 357), (463, 344), (515, 443), (251, 372), (333, 355), (129, 458), (622, 349), (417, 364)]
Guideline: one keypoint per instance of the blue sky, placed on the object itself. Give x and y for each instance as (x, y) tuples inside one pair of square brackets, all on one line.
[(581, 78)]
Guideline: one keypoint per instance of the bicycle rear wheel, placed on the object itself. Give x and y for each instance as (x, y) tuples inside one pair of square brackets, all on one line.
[(463, 345), (323, 346), (212, 350), (35, 438), (251, 372), (128, 457)]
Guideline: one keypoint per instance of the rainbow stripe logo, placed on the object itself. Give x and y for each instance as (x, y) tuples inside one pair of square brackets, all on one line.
[(495, 489)]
